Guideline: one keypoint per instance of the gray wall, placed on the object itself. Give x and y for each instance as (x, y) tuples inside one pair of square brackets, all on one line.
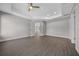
[(0, 25), (71, 28), (42, 28), (16, 27), (77, 26), (12, 26), (58, 27)]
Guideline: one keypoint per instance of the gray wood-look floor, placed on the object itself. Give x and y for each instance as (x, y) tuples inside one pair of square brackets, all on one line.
[(34, 46)]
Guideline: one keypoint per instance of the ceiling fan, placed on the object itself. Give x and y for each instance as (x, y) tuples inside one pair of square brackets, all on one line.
[(31, 6)]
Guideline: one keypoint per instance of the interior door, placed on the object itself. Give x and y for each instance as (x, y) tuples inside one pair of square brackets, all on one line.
[(37, 29)]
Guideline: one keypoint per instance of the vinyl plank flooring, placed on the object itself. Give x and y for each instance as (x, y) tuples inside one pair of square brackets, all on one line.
[(38, 46)]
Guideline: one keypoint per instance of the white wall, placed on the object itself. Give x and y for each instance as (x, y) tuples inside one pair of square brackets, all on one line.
[(32, 28), (0, 25), (58, 27), (12, 26), (15, 27), (77, 26), (71, 28)]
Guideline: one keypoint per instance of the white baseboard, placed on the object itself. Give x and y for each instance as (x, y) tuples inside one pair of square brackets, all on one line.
[(12, 38), (40, 35), (72, 41), (77, 49), (59, 36)]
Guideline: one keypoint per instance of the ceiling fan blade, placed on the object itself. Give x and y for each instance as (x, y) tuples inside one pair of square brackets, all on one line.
[(31, 6), (35, 6)]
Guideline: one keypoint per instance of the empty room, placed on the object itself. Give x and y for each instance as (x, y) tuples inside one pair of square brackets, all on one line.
[(39, 29)]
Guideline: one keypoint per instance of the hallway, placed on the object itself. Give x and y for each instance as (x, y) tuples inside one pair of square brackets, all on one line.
[(44, 46)]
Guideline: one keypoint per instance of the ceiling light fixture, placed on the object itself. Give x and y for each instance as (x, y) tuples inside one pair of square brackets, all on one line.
[(31, 6)]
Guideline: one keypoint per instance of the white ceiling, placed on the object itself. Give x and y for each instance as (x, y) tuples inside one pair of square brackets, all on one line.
[(46, 10), (66, 8)]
